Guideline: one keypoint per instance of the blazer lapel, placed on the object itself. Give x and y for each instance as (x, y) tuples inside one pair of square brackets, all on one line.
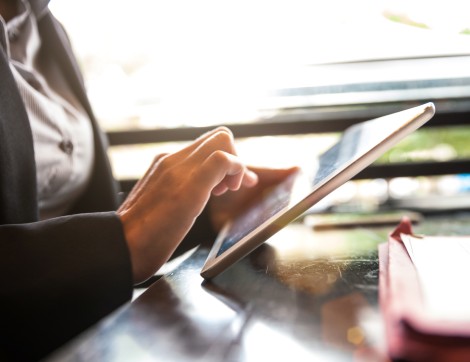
[(18, 195)]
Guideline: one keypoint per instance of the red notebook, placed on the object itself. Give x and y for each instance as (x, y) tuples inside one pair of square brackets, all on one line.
[(413, 331)]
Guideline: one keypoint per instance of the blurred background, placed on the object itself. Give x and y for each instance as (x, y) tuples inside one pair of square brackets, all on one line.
[(189, 65)]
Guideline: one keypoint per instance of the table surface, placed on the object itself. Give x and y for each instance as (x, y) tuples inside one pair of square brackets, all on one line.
[(303, 295)]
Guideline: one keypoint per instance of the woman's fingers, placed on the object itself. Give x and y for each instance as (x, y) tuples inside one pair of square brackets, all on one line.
[(218, 141), (217, 146), (218, 149), (220, 135), (222, 171)]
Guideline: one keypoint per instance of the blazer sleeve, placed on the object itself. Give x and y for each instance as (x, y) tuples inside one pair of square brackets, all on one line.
[(57, 278)]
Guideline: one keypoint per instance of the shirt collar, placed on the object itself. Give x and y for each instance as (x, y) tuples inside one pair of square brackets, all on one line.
[(39, 7), (12, 28)]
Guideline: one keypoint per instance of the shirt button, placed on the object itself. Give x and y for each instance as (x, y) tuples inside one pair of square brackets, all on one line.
[(66, 147), (13, 34)]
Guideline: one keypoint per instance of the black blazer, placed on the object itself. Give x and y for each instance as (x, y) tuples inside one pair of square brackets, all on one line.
[(60, 276)]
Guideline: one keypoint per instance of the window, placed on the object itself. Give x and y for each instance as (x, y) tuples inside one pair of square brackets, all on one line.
[(154, 63), (295, 66)]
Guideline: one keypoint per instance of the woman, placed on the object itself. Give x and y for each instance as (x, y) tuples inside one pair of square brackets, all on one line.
[(69, 254)]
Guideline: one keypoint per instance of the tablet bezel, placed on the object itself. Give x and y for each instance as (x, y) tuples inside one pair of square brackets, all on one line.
[(413, 118)]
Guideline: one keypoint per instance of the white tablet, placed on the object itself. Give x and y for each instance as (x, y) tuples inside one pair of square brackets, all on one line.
[(358, 147)]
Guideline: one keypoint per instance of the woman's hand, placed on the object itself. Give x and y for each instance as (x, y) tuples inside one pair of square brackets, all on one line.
[(164, 204)]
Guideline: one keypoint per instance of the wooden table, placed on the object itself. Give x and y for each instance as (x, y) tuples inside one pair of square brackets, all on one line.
[(303, 296)]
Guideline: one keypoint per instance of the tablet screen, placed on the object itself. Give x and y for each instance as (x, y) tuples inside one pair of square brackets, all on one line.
[(269, 205)]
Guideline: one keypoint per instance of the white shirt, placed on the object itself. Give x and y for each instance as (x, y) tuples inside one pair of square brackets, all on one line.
[(62, 133)]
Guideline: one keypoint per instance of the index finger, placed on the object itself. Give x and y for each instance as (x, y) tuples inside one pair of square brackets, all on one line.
[(202, 139)]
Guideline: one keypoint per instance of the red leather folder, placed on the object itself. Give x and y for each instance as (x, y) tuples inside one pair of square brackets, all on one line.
[(413, 332)]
